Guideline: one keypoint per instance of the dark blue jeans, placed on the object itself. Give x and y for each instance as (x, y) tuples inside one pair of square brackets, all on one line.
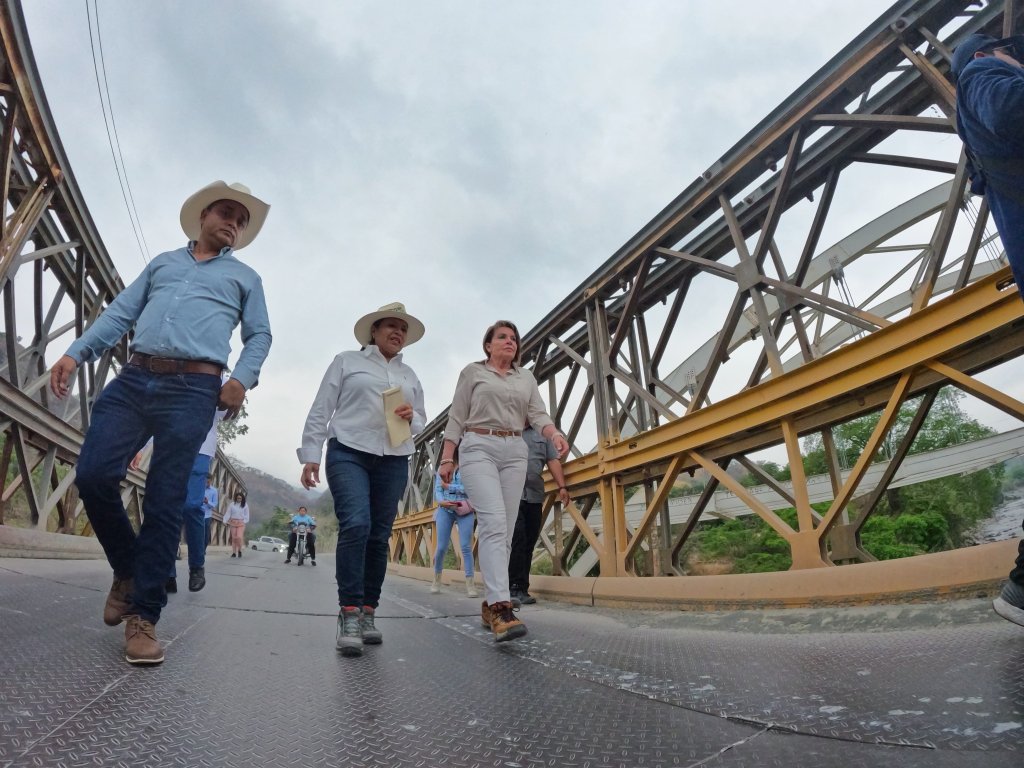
[(177, 410), (366, 489)]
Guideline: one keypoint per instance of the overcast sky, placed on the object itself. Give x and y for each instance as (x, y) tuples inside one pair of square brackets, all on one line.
[(473, 160)]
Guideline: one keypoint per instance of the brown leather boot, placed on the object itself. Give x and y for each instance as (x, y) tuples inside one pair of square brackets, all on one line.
[(485, 615), (117, 601), (140, 643), (504, 623)]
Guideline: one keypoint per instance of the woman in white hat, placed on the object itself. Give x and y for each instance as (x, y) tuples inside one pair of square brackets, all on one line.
[(368, 407)]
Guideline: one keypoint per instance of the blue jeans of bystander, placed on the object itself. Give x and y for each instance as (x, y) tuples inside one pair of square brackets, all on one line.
[(195, 520), (445, 519), (177, 410), (366, 489)]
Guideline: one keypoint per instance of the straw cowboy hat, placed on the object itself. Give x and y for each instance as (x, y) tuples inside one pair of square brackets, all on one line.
[(220, 190), (397, 309)]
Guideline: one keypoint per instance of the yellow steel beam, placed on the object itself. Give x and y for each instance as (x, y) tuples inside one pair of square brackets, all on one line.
[(931, 334)]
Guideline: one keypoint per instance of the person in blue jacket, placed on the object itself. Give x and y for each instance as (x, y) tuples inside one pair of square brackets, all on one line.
[(989, 77), (302, 516)]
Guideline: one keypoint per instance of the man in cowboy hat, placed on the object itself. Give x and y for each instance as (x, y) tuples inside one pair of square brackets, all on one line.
[(183, 308), (989, 77)]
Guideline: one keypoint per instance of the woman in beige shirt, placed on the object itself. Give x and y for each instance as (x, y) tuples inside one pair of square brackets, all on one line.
[(493, 401)]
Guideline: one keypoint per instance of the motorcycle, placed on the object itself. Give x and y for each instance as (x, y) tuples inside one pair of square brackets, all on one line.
[(300, 542)]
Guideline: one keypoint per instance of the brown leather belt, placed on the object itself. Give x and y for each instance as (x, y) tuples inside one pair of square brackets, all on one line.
[(495, 432), (173, 365)]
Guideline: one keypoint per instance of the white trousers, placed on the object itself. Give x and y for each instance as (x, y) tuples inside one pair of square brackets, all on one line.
[(493, 470)]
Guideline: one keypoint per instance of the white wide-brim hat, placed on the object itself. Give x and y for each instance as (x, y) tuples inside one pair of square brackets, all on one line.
[(220, 190), (364, 325)]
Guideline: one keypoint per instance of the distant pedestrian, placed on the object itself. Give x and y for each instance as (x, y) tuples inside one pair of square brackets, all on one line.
[(183, 308), (453, 510), (367, 470), (492, 401), (541, 453), (236, 518), (211, 498)]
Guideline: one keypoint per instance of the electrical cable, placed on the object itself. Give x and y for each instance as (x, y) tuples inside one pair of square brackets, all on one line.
[(98, 63)]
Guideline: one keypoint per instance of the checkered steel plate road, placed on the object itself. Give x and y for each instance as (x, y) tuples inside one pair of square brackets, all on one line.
[(252, 679)]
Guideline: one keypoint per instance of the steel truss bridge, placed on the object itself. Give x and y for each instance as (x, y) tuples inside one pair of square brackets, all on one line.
[(830, 265), (56, 277)]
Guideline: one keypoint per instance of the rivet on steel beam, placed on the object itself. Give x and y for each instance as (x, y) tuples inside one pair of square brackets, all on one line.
[(899, 25)]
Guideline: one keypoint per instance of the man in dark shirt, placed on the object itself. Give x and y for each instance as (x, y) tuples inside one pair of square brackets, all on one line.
[(989, 79), (524, 539)]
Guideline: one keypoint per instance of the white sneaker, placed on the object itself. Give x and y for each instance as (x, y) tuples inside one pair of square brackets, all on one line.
[(435, 587), (470, 587)]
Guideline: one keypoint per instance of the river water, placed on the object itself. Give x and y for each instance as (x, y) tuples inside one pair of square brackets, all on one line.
[(1005, 522)]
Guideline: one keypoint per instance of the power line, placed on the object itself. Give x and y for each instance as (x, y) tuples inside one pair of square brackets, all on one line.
[(98, 63)]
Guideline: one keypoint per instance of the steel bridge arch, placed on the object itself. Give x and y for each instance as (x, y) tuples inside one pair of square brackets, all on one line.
[(53, 261), (791, 356)]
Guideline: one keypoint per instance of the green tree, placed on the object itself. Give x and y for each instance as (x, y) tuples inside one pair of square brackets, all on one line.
[(228, 430), (276, 525), (945, 425)]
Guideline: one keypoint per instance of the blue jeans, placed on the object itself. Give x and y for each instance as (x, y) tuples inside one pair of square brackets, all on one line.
[(445, 519), (177, 410), (366, 489), (194, 515)]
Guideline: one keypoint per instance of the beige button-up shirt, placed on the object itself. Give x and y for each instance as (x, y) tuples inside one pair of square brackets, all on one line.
[(484, 398)]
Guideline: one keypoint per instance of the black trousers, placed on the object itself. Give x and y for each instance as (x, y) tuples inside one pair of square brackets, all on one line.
[(310, 544), (1017, 574), (523, 541)]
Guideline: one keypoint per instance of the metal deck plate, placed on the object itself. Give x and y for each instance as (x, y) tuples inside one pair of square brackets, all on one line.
[(252, 679)]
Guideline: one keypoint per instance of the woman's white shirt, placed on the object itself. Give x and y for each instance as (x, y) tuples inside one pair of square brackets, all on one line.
[(237, 512), (348, 406)]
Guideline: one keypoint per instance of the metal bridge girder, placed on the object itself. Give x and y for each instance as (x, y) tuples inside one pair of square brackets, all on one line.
[(795, 353)]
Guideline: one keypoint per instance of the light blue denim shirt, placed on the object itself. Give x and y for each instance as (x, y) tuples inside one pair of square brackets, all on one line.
[(187, 309), (455, 491)]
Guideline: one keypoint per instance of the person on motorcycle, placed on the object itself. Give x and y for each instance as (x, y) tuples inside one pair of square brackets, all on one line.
[(302, 516)]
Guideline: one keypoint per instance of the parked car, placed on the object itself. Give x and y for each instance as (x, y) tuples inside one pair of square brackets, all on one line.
[(268, 543)]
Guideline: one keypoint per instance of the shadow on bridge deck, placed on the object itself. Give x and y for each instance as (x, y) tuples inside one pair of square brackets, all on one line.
[(252, 679)]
